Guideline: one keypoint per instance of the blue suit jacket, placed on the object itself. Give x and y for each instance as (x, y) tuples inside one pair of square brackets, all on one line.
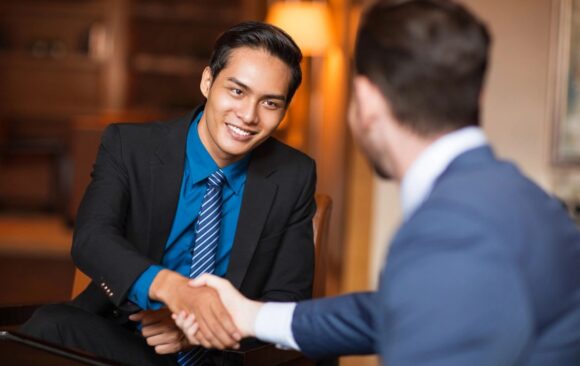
[(485, 272)]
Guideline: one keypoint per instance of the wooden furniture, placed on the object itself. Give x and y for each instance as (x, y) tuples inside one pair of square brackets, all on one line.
[(60, 59), (48, 73), (320, 224)]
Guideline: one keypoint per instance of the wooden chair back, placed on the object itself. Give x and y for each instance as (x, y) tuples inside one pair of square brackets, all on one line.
[(320, 224)]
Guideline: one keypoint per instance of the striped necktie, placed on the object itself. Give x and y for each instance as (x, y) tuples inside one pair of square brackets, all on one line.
[(207, 233)]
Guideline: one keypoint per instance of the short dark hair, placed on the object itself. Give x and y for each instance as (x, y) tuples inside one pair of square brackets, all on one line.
[(259, 35), (428, 58)]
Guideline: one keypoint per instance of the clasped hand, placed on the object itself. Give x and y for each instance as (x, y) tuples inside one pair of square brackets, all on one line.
[(242, 310), (210, 324)]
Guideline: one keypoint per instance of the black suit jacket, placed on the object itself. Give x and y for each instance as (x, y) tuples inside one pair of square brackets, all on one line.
[(126, 215)]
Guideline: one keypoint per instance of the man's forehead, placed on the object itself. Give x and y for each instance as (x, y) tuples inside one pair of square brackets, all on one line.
[(256, 69)]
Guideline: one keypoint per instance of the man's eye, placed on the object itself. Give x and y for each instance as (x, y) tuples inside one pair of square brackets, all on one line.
[(271, 104), (237, 91)]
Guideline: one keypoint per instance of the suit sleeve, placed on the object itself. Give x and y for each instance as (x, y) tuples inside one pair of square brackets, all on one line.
[(292, 272), (99, 246), (343, 325), (451, 293)]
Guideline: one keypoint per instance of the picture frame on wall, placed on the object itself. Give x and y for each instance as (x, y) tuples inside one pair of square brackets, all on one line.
[(565, 76)]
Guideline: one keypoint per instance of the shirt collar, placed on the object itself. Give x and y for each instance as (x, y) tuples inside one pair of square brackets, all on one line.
[(201, 164), (431, 163)]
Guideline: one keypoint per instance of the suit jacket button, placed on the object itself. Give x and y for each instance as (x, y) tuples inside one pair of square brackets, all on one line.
[(116, 313)]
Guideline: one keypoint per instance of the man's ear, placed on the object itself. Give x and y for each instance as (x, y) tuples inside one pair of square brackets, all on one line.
[(206, 80), (369, 99)]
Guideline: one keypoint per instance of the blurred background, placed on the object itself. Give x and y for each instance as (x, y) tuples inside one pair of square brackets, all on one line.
[(70, 67)]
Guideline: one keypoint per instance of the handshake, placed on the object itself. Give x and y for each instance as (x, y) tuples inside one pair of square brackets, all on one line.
[(206, 311)]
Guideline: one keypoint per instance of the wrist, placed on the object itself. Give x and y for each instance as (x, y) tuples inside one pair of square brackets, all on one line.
[(252, 309), (164, 284)]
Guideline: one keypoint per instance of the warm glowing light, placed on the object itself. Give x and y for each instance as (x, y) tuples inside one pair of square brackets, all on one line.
[(308, 23)]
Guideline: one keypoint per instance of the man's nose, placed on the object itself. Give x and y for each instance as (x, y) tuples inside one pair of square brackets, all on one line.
[(248, 113)]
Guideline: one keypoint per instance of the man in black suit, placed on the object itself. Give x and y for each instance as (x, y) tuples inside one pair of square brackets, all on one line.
[(135, 229)]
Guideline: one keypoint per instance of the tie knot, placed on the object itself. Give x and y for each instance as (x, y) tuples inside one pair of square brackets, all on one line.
[(216, 179)]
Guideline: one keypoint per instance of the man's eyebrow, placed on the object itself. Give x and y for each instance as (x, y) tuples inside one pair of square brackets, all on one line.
[(246, 87)]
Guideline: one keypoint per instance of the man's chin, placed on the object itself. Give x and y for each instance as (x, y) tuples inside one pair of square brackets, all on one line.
[(382, 173)]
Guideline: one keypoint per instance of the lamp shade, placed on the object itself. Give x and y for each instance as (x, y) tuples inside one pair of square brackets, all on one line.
[(308, 23)]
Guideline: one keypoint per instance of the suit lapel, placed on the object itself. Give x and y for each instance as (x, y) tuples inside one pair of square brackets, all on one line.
[(166, 167), (259, 193)]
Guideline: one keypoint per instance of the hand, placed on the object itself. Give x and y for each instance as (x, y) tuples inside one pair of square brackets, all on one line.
[(216, 327), (160, 331), (243, 310)]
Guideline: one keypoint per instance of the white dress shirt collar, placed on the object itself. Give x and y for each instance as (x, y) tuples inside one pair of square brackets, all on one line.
[(421, 176)]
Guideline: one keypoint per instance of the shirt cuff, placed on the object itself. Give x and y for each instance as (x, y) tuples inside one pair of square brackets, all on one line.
[(139, 292), (273, 324)]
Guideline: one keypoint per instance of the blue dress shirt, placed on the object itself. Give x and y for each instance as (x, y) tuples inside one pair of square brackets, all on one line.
[(178, 249)]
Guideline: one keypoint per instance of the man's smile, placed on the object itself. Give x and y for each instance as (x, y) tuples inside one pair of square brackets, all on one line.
[(240, 131)]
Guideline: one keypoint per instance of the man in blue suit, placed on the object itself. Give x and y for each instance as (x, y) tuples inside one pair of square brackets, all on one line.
[(485, 268)]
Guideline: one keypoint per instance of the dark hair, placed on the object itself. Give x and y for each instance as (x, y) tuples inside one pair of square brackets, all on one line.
[(259, 35), (428, 58)]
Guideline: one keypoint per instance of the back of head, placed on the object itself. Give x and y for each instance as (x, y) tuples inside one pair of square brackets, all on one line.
[(428, 58), (258, 35)]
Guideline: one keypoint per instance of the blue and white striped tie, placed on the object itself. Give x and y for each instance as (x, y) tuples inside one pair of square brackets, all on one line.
[(207, 234)]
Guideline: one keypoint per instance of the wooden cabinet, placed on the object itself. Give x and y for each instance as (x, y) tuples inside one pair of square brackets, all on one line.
[(48, 72), (170, 43), (63, 58)]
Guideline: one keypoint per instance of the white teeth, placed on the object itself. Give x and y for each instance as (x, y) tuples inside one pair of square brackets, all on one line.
[(239, 131)]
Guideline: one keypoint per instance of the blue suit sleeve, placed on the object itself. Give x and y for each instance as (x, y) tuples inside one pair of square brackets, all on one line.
[(451, 294), (139, 292), (326, 328)]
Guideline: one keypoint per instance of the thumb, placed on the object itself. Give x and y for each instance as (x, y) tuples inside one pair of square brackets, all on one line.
[(198, 281), (205, 279)]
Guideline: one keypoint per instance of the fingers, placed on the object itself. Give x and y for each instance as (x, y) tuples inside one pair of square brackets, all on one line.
[(188, 326), (136, 317), (191, 334), (203, 341), (215, 323), (190, 329), (164, 349), (168, 343), (208, 332), (160, 331), (150, 316), (227, 323), (157, 328), (165, 338)]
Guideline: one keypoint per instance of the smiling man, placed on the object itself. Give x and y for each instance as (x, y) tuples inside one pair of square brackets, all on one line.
[(209, 192)]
